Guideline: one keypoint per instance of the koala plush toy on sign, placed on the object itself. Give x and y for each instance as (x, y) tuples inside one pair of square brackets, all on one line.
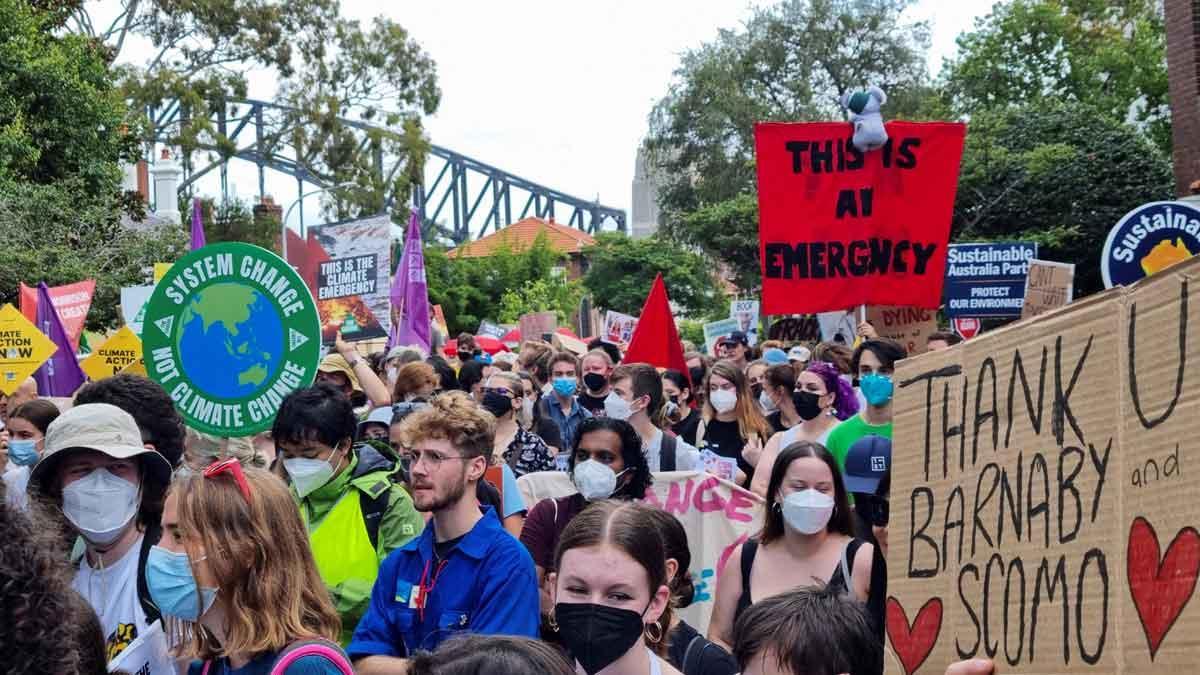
[(863, 107)]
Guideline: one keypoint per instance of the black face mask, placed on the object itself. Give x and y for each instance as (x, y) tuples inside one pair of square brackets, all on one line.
[(807, 404), (497, 404), (697, 375), (594, 381), (465, 356), (756, 390), (597, 635)]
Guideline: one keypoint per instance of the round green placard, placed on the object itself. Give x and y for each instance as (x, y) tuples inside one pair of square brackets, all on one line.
[(230, 331)]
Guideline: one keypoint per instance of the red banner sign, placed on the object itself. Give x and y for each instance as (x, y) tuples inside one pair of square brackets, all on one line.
[(72, 302), (839, 227)]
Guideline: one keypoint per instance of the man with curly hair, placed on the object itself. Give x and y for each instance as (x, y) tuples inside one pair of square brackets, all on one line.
[(464, 573), (150, 405)]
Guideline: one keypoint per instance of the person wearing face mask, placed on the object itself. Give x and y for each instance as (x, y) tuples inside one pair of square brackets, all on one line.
[(353, 509), (698, 365), (637, 396), (109, 486), (732, 425), (27, 424), (755, 372), (612, 599), (822, 399), (868, 480), (606, 463), (778, 385), (597, 366), (236, 577), (683, 416), (561, 405), (873, 361), (522, 451), (807, 538)]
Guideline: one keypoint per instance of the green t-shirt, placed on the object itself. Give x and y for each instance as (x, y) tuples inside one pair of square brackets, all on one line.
[(844, 435)]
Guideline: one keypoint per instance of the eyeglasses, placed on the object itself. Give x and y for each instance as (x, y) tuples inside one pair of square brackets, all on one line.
[(232, 467), (432, 458)]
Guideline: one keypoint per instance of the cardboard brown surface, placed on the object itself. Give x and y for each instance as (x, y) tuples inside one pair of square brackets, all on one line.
[(1048, 286), (1078, 548), (909, 326), (537, 323)]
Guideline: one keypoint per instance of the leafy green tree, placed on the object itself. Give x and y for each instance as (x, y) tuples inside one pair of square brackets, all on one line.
[(542, 295), (233, 220), (1057, 174), (325, 65), (790, 62), (622, 269), (1109, 55)]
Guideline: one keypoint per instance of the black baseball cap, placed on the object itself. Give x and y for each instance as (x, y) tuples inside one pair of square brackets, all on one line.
[(867, 462), (736, 337)]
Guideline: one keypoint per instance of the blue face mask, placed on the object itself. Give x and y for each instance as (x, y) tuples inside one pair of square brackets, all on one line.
[(22, 451), (876, 388), (565, 386), (173, 587)]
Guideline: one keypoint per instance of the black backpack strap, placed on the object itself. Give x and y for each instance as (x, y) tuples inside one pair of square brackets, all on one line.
[(686, 666), (749, 549), (150, 538), (666, 453), (373, 507)]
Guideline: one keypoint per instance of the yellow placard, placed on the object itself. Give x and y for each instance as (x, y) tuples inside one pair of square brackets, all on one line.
[(136, 368), (160, 271), (23, 349), (118, 353)]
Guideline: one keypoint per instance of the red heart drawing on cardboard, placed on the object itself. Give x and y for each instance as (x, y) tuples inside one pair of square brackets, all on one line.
[(1160, 589), (913, 643)]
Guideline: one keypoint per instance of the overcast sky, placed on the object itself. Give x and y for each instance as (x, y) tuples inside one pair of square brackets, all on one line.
[(558, 91)]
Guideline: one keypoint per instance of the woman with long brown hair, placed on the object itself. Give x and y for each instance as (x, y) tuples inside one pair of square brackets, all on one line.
[(234, 575), (732, 424)]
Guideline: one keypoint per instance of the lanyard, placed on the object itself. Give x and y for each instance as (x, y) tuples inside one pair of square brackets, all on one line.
[(424, 589)]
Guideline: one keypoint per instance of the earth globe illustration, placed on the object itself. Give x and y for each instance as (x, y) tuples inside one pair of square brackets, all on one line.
[(230, 340)]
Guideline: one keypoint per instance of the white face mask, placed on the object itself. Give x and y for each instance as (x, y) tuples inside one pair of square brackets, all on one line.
[(392, 371), (308, 474), (595, 480), (766, 403), (722, 400), (100, 505), (527, 409), (617, 407), (807, 511)]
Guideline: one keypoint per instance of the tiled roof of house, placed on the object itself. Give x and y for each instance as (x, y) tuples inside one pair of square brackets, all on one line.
[(520, 236)]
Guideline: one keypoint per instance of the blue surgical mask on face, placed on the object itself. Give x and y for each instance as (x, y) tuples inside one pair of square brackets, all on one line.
[(22, 451), (173, 587), (876, 388), (565, 386)]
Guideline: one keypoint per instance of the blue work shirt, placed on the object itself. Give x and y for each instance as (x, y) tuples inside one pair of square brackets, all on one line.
[(487, 585), (567, 424)]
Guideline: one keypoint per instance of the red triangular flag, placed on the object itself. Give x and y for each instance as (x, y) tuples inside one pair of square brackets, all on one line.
[(655, 339)]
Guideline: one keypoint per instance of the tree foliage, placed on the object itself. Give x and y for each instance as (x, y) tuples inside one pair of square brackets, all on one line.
[(1057, 174), (622, 269), (233, 220), (790, 62), (560, 296), (1105, 54)]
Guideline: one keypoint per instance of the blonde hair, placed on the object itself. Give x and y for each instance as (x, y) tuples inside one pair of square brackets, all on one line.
[(452, 416), (260, 555), (749, 419)]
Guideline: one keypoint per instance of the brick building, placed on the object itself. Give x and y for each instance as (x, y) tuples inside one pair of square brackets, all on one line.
[(1182, 20)]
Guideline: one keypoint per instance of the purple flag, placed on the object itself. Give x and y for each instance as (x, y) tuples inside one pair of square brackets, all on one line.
[(410, 294), (197, 226), (60, 375)]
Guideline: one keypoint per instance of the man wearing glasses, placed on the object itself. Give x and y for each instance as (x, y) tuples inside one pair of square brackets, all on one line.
[(356, 513), (464, 573), (110, 487)]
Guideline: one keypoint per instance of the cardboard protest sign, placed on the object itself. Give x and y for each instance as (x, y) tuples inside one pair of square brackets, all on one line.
[(716, 330), (909, 326), (1049, 285), (118, 352), (1041, 515), (987, 280), (718, 516), (536, 324), (1148, 239), (839, 227), (346, 268), (23, 349), (230, 331), (618, 327), (746, 313), (71, 301), (804, 328)]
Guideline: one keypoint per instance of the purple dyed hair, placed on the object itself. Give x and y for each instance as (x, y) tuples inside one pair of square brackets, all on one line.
[(845, 403)]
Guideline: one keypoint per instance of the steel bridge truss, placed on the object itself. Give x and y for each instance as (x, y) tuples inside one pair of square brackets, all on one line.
[(470, 197)]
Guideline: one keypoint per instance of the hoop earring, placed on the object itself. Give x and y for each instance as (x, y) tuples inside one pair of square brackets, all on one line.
[(553, 623), (656, 635)]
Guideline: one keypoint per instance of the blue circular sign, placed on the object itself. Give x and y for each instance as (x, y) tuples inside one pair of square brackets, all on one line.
[(1148, 239)]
